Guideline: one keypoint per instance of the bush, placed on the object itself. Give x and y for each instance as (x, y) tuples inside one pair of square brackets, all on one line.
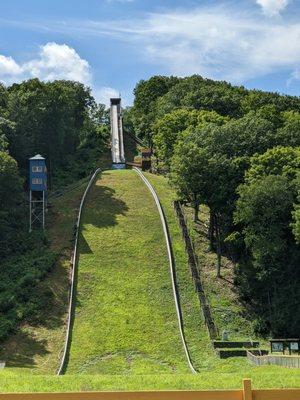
[(19, 280)]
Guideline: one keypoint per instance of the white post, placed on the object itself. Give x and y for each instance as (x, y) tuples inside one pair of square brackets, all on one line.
[(121, 137)]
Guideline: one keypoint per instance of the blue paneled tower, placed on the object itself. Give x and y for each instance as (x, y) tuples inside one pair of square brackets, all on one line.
[(38, 189)]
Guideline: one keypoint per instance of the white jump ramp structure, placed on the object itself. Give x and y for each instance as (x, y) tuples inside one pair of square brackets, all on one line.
[(117, 143)]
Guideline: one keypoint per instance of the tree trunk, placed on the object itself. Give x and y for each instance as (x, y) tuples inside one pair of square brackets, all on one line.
[(219, 254), (196, 212), (211, 230), (219, 264)]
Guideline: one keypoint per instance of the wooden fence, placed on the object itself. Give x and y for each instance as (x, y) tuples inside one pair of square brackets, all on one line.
[(194, 268), (283, 361), (245, 394)]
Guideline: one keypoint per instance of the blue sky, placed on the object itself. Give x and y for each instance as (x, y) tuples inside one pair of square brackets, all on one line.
[(111, 44)]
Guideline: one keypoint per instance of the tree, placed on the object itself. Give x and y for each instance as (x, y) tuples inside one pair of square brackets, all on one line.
[(242, 137), (264, 211), (268, 268), (143, 112), (169, 129), (53, 119), (11, 196), (200, 177), (289, 133), (256, 99), (296, 215), (276, 161), (196, 92)]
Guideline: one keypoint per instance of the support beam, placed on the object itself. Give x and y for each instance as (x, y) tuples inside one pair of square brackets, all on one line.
[(247, 390)]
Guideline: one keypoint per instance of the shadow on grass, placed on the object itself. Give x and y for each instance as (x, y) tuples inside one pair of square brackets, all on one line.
[(102, 212), (22, 351)]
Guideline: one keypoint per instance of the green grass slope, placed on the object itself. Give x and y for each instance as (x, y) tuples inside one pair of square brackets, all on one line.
[(37, 348), (229, 312), (203, 356), (145, 346), (125, 320), (264, 377), (194, 327)]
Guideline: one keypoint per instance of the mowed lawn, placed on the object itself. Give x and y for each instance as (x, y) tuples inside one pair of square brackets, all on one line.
[(263, 377), (125, 320)]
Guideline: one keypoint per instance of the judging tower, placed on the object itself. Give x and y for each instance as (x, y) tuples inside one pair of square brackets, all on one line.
[(37, 194)]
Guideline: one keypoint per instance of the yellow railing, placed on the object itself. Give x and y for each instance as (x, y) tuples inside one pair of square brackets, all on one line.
[(247, 393)]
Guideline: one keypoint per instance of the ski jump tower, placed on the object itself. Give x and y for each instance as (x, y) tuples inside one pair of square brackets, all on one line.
[(117, 144)]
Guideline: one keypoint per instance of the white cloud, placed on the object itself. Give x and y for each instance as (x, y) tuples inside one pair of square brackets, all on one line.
[(55, 61), (273, 7), (217, 42), (8, 66), (104, 94)]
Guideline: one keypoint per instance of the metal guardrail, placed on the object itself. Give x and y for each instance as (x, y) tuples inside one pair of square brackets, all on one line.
[(247, 393), (69, 188), (72, 287), (171, 264)]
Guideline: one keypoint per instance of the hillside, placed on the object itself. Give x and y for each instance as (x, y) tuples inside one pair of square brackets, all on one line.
[(236, 152), (117, 299), (37, 347), (125, 320)]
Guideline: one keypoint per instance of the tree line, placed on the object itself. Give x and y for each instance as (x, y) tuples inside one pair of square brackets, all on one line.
[(238, 152), (61, 121)]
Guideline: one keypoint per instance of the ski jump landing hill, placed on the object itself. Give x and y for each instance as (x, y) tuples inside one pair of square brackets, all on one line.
[(123, 271)]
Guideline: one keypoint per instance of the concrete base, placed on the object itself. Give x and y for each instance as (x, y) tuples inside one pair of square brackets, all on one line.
[(119, 166)]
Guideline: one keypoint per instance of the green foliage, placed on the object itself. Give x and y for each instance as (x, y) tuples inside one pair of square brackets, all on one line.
[(256, 99), (209, 164), (263, 208), (167, 130), (144, 109), (289, 134), (296, 225), (11, 198), (162, 95), (240, 138), (198, 93), (268, 273), (208, 159), (19, 277), (47, 118), (276, 161), (61, 121)]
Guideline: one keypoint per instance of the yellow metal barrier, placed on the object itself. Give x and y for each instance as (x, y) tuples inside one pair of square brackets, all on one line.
[(245, 394)]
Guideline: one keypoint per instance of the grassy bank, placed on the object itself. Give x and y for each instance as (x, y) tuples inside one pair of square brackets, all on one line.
[(196, 333), (220, 293), (125, 319), (37, 347), (264, 377), (227, 309)]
